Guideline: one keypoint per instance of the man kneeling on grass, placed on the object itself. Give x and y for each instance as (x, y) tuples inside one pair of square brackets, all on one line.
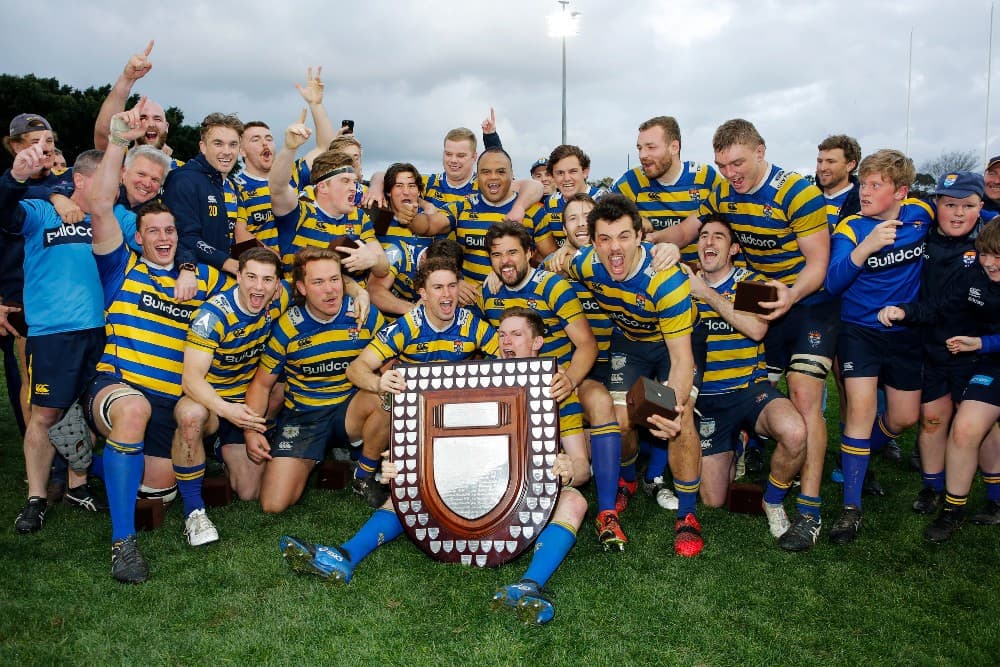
[(521, 335)]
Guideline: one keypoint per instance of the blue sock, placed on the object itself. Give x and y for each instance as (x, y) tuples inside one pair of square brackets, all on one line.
[(775, 492), (855, 453), (366, 467), (658, 459), (644, 447), (627, 471), (881, 434), (551, 548), (808, 505), (687, 496), (606, 455), (97, 465), (123, 466), (189, 481), (383, 526), (753, 441), (934, 480), (992, 480)]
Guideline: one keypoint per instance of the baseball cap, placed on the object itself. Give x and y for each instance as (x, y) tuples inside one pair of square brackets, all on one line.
[(28, 122), (993, 160), (541, 162), (960, 184)]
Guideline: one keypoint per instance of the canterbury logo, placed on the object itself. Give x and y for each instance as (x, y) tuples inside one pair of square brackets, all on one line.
[(42, 389)]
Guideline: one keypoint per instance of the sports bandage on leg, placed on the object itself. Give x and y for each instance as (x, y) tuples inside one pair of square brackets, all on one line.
[(811, 365)]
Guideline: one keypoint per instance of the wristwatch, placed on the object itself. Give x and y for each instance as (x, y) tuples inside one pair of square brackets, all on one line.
[(188, 266)]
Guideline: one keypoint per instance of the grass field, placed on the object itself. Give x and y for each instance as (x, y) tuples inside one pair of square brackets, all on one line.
[(891, 598)]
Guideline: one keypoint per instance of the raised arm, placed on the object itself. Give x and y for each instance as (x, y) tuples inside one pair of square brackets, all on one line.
[(137, 67), (312, 94), (284, 198)]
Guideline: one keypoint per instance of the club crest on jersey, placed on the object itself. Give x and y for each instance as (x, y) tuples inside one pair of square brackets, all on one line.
[(694, 194), (290, 432), (768, 211), (815, 338), (212, 199), (457, 346), (353, 333), (532, 304), (706, 427), (618, 361), (969, 258), (640, 301)]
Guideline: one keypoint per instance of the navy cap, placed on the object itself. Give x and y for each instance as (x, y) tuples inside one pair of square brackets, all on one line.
[(542, 162), (960, 184), (28, 122), (993, 161)]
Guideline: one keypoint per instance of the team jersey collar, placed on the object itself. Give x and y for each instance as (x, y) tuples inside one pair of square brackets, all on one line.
[(638, 265), (523, 283), (160, 267), (431, 324), (767, 175), (322, 320), (334, 218), (668, 183), (840, 192), (457, 186), (724, 280), (509, 200), (239, 304)]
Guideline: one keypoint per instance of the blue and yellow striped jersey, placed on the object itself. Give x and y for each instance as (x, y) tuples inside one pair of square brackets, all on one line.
[(546, 220), (889, 277), (548, 294), (648, 306), (438, 192), (309, 225), (732, 361), (397, 233), (412, 339), (256, 195), (769, 221), (403, 258), (470, 221), (234, 338), (664, 206), (314, 355), (146, 329), (600, 323), (833, 204)]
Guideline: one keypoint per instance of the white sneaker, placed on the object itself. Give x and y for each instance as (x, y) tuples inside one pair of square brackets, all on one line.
[(777, 519), (199, 529), (666, 499)]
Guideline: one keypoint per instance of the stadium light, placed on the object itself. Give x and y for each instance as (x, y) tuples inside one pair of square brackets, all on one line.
[(564, 24)]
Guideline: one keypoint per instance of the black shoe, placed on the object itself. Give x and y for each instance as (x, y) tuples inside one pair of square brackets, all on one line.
[(802, 534), (84, 498), (845, 529), (754, 461), (375, 494), (127, 564), (32, 517), (892, 452), (915, 459), (870, 485), (928, 501), (989, 516), (944, 526)]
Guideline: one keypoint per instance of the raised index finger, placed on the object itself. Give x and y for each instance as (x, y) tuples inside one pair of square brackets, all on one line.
[(149, 48), (302, 116)]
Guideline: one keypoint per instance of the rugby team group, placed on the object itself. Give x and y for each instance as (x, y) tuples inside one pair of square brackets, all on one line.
[(250, 310)]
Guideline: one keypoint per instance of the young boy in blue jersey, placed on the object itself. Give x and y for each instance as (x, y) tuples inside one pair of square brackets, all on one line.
[(521, 336), (875, 261), (310, 347), (735, 393), (569, 338)]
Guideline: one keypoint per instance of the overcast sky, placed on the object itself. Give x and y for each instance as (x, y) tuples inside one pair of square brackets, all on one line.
[(407, 71)]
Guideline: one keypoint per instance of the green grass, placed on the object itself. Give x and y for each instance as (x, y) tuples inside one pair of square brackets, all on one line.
[(891, 598)]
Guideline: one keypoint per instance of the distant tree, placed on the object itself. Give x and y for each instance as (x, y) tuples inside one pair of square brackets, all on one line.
[(605, 182), (72, 114), (811, 178), (924, 184), (949, 162)]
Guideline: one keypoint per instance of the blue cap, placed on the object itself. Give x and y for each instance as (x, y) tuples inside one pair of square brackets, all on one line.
[(540, 162), (960, 184), (28, 122)]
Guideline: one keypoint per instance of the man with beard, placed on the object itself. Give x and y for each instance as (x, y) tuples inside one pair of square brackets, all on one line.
[(665, 190), (470, 220), (654, 318), (568, 338), (838, 158)]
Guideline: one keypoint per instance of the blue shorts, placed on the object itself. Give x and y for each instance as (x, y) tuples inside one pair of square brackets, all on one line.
[(945, 379), (159, 437), (895, 357), (307, 435), (600, 372), (806, 330), (631, 360), (723, 416), (60, 365), (984, 385)]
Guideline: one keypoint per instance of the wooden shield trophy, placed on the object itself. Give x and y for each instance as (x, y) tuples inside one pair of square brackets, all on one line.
[(474, 443)]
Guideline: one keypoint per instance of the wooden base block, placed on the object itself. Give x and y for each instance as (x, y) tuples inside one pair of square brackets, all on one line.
[(216, 492), (333, 475), (149, 514), (745, 498)]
